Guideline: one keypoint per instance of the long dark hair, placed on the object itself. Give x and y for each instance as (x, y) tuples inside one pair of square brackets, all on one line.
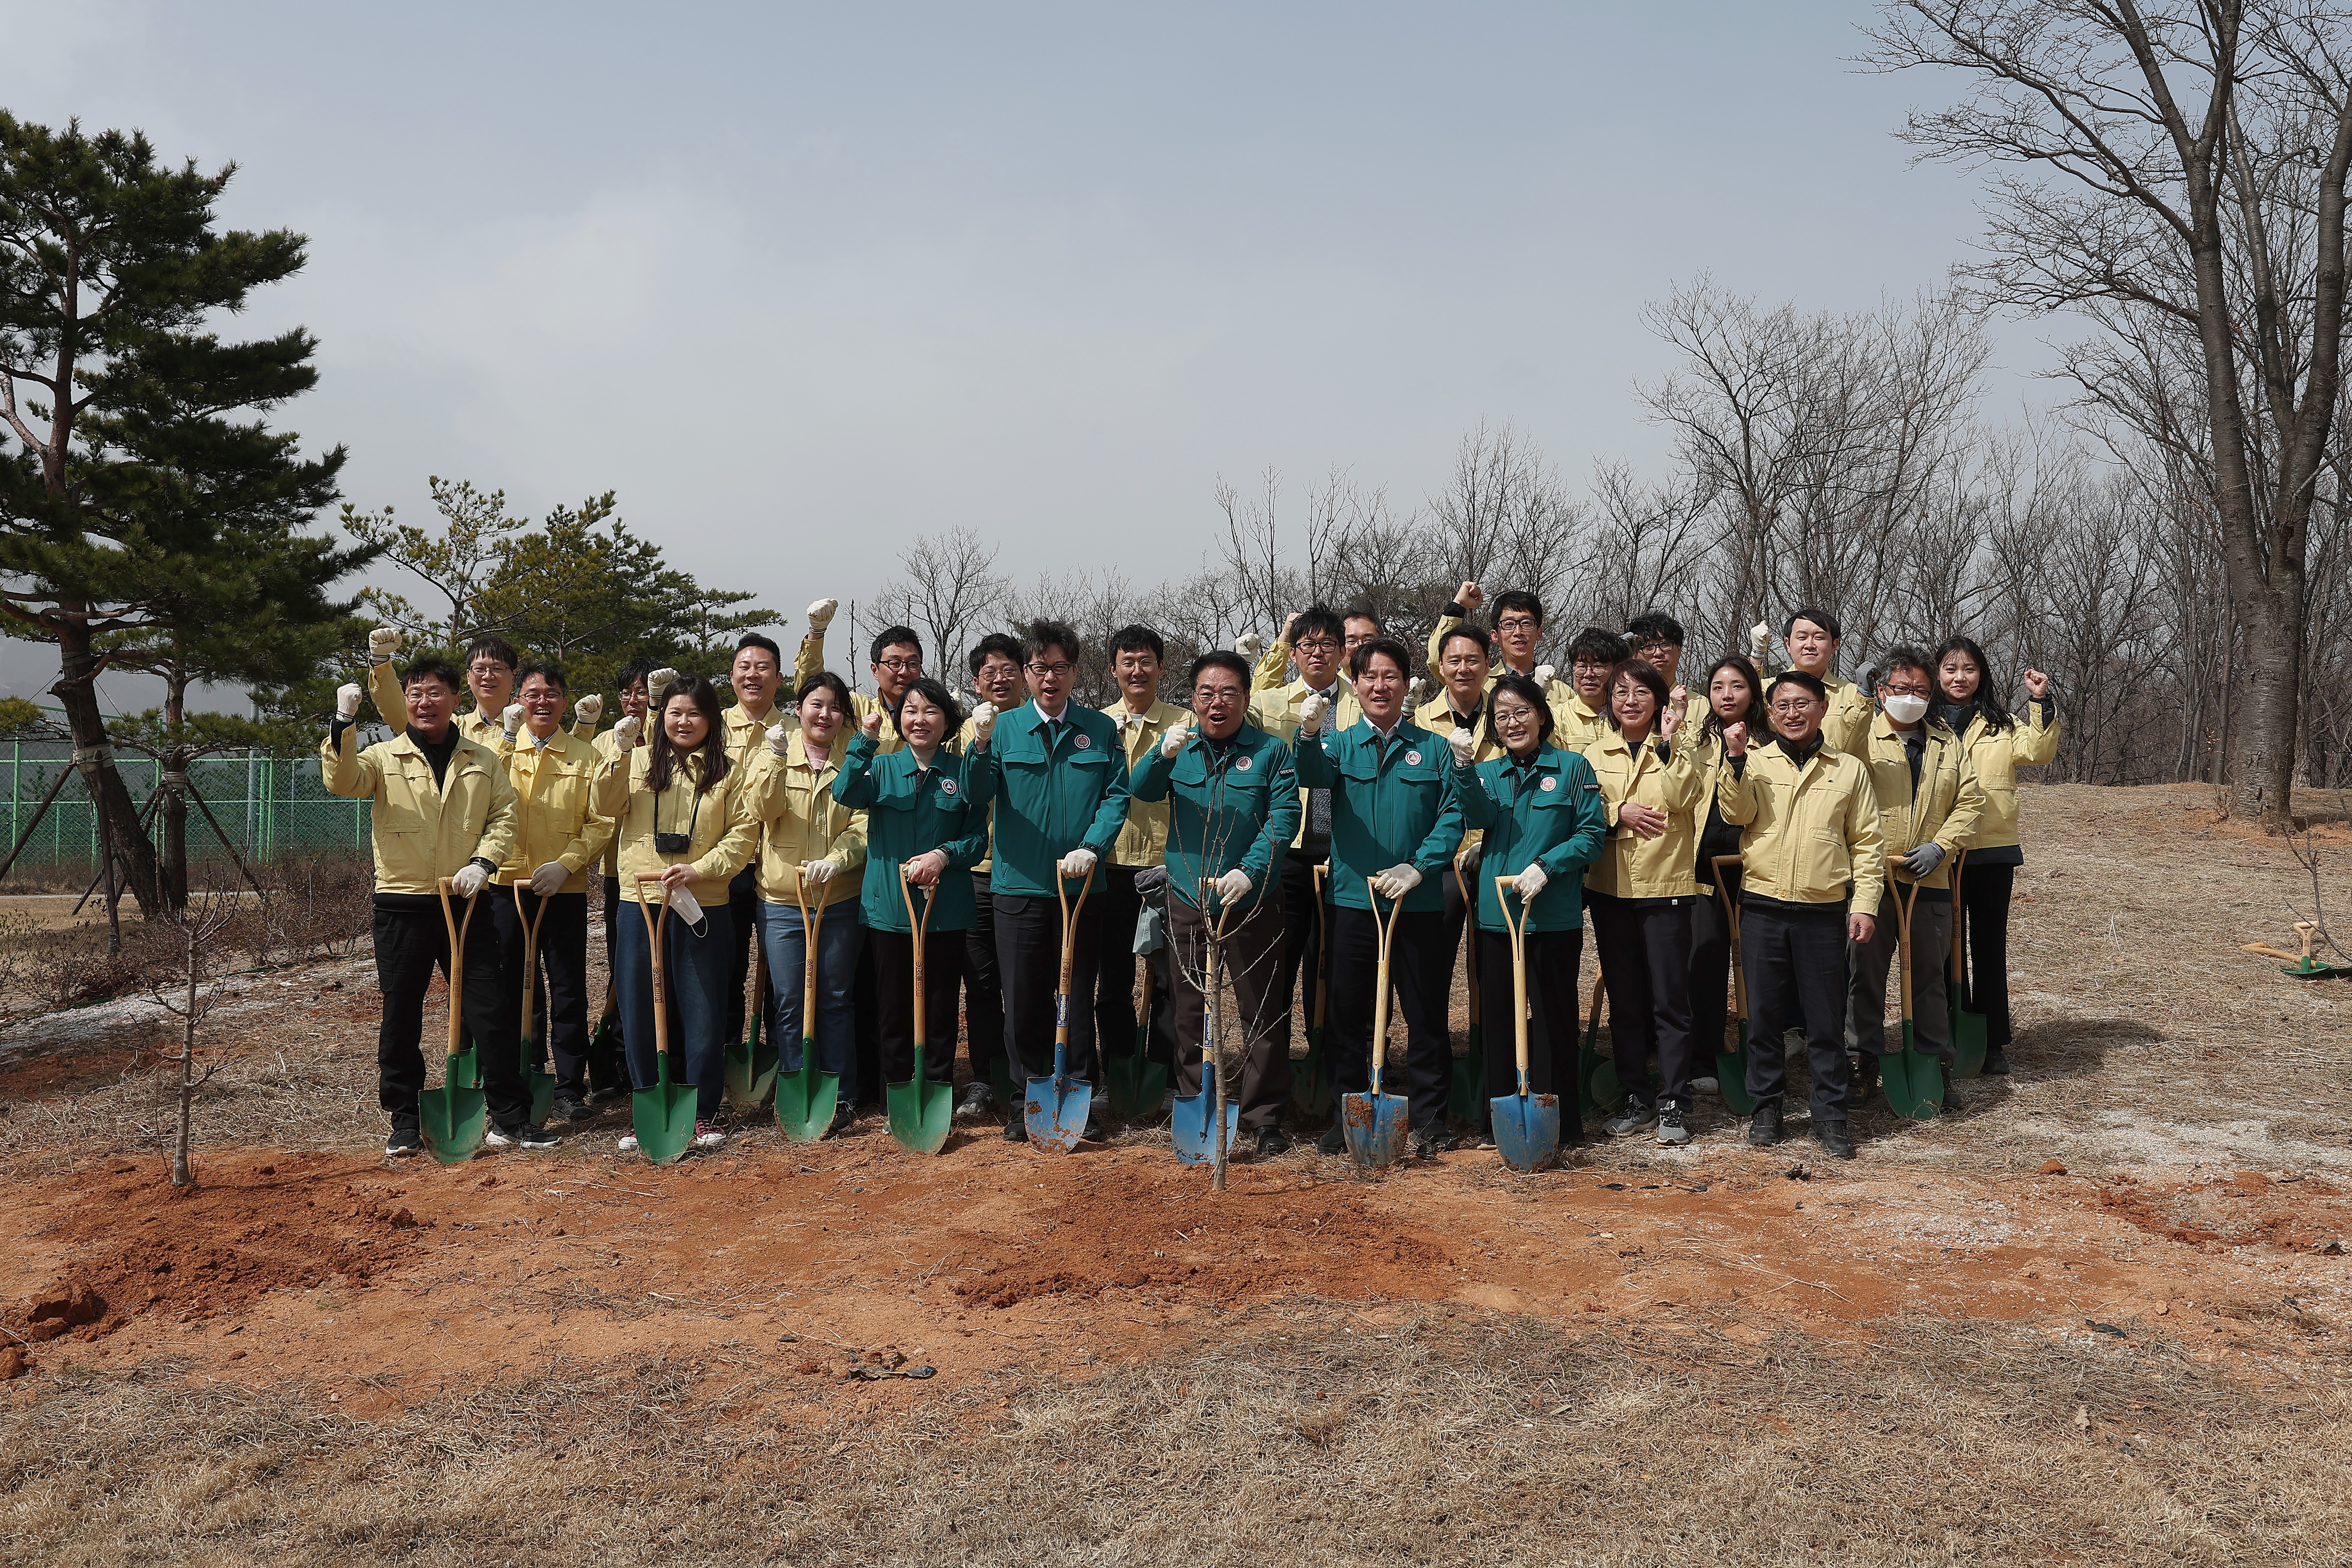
[(713, 750), (1758, 721), (1988, 700)]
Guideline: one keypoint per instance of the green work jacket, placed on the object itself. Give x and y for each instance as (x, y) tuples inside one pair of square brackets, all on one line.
[(1232, 809), (910, 813), (1557, 820), (1392, 803), (1052, 798)]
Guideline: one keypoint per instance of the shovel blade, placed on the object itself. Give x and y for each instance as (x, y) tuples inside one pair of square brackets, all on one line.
[(540, 1080), (1465, 1088), (921, 1112), (465, 1069), (1526, 1128), (1135, 1083), (1912, 1084), (1310, 1084), (806, 1099), (452, 1117), (1376, 1126), (663, 1116), (1967, 1042), (751, 1072), (1731, 1078), (1000, 1078), (1056, 1109), (1192, 1121), (1603, 1093)]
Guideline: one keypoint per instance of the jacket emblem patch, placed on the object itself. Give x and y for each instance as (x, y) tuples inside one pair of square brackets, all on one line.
[(947, 786), (1241, 765), (1413, 759), (1548, 784), (1082, 742)]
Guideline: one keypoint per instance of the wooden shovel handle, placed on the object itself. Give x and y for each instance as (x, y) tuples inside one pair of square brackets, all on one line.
[(654, 924)]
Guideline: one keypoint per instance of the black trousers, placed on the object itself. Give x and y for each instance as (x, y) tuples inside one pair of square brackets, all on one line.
[(1458, 915), (608, 1064), (559, 1012), (1302, 936), (894, 986), (1985, 892), (1644, 949), (1710, 979), (1256, 1062), (865, 1027), (408, 943), (743, 908), (1418, 969), (983, 992), (1029, 961), (1553, 959), (1795, 960), (1114, 994)]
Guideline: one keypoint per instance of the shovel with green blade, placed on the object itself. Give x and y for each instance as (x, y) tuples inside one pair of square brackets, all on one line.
[(662, 1114), (1596, 1074), (1310, 1076), (1731, 1065), (805, 1098), (1136, 1084), (1968, 1025), (751, 1060), (1912, 1083), (539, 1077), (453, 1116), (1466, 1089), (1527, 1126), (921, 1112)]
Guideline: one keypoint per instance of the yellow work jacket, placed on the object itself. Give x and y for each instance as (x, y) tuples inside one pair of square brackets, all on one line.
[(1847, 725), (482, 729), (2029, 743), (1143, 842), (799, 821), (422, 833), (1633, 867), (1275, 709), (1948, 806), (809, 659), (606, 749), (553, 787), (1575, 725), (1810, 832), (962, 746), (722, 831)]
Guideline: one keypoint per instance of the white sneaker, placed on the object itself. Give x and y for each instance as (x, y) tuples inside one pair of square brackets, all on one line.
[(628, 1144), (1705, 1086), (708, 1135), (496, 1139)]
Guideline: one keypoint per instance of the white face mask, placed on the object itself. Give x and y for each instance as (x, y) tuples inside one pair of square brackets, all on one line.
[(1905, 709), (685, 906)]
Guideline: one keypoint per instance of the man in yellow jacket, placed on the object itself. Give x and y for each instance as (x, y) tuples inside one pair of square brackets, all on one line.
[(558, 837), (756, 677), (1519, 632), (1136, 653), (895, 661), (1812, 865), (440, 806), (1813, 637), (490, 663), (1929, 805), (1465, 667)]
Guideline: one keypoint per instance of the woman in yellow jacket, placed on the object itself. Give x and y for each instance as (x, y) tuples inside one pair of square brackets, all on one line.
[(1641, 892), (558, 836), (1999, 744), (813, 851), (680, 812)]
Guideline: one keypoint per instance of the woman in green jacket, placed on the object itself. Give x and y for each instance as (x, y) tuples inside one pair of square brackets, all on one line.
[(927, 810), (1540, 810), (1970, 703)]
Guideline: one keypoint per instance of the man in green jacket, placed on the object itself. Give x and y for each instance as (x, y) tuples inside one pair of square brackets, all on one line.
[(1233, 807), (1396, 821), (1061, 800)]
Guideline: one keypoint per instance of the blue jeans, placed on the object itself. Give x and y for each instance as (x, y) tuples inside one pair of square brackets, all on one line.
[(694, 972), (840, 933)]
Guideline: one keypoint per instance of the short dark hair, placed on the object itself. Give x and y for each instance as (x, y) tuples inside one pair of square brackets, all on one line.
[(498, 647), (1043, 635), (1003, 644), (547, 670), (1219, 658), (1904, 655), (1653, 625), (892, 637), (1361, 612), (935, 692), (1465, 632), (1317, 617), (1519, 599), (1138, 639), (1596, 645), (1819, 617), (825, 680), (1812, 683), (433, 667), (754, 639), (1642, 673), (640, 668), (1385, 646), (1525, 688)]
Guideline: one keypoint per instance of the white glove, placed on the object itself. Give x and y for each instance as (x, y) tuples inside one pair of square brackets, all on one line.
[(512, 719), (1077, 862), (821, 614), (628, 733), (778, 738), (382, 643), (549, 879), (1759, 640), (1529, 882), (346, 702), (984, 723), (658, 680), (468, 879), (1413, 691), (1173, 740), (588, 709), (1311, 711), (817, 871), (1249, 645), (1544, 672), (1396, 881), (1462, 744), (1232, 886)]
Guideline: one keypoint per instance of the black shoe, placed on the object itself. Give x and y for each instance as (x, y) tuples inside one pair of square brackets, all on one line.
[(1862, 1078), (1832, 1137), (1997, 1062), (1764, 1127), (1334, 1142), (403, 1142), (1271, 1141), (845, 1117), (1094, 1133), (1017, 1130), (565, 1111), (536, 1138), (978, 1100), (1431, 1142)]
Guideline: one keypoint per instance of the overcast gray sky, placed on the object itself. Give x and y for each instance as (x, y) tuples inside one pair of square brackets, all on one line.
[(800, 281)]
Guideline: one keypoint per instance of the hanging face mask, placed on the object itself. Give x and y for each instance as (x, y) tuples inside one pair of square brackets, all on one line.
[(685, 906), (1905, 709)]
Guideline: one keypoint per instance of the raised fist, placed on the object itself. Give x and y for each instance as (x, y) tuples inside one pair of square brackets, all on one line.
[(382, 643), (1461, 743), (512, 719), (778, 735), (1544, 672), (628, 733), (1470, 596), (820, 615), (984, 723), (1759, 640), (1173, 740), (1735, 740), (1311, 711), (658, 681), (871, 725), (346, 702), (588, 709), (1249, 645)]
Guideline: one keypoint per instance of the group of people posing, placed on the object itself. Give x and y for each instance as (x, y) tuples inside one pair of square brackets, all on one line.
[(1302, 804)]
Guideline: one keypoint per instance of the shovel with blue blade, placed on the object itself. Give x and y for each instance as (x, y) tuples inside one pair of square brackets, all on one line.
[(1527, 1126), (1055, 1110), (1375, 1124), (1202, 1122)]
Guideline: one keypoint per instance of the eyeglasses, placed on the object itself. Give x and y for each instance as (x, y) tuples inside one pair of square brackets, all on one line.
[(1647, 648), (1794, 710), (1518, 624), (489, 667), (1041, 671), (1316, 644), (902, 665)]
